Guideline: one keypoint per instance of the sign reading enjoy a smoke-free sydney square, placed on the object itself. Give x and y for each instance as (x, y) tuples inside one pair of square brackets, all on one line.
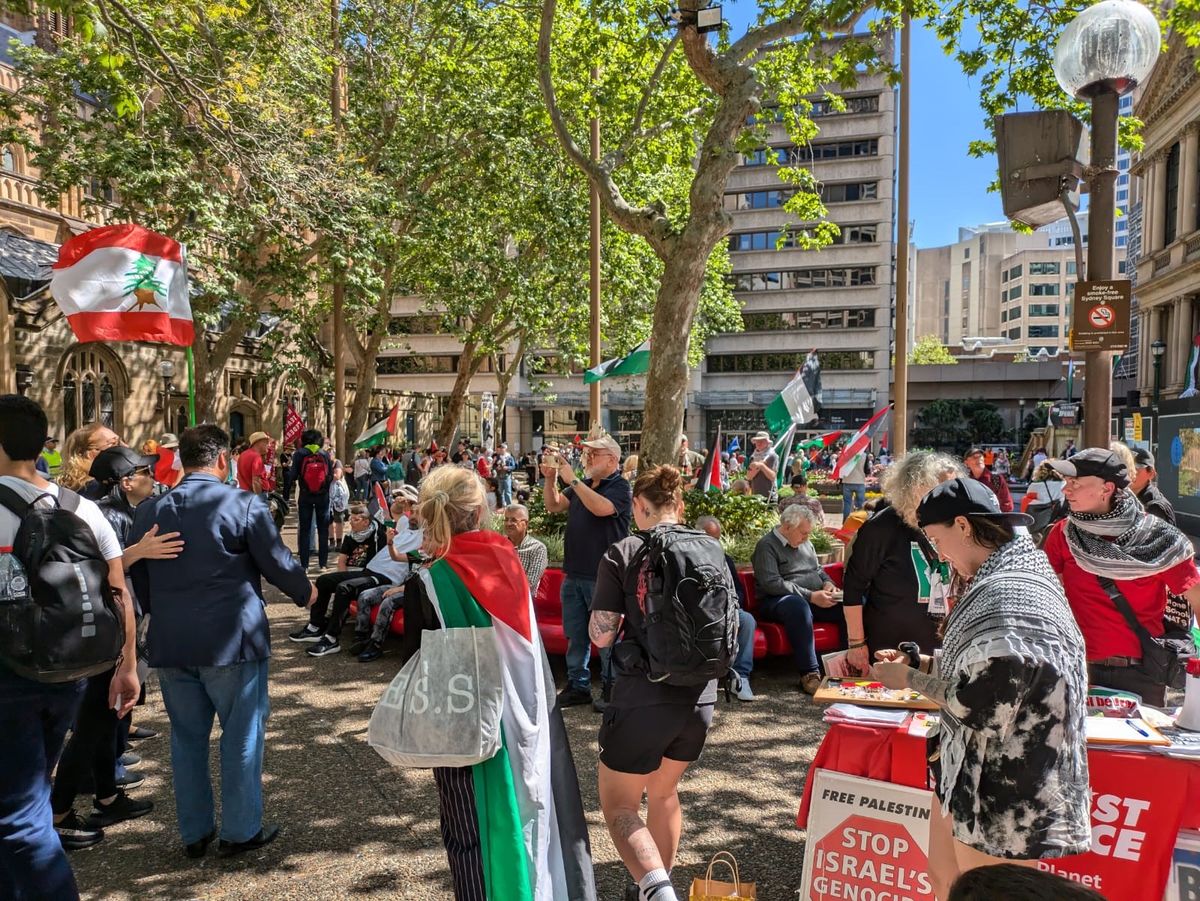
[(1100, 315)]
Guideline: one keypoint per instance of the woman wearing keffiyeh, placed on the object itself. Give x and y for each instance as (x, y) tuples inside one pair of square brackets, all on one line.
[(1109, 536)]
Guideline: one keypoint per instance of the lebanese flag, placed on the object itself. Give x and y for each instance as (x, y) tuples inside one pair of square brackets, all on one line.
[(124, 283), (710, 472), (526, 799), (169, 468), (860, 443)]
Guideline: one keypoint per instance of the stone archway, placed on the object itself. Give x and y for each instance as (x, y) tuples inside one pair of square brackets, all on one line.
[(93, 386)]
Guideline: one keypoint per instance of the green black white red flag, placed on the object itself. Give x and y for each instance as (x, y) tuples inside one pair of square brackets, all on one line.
[(710, 472), (381, 432), (858, 445)]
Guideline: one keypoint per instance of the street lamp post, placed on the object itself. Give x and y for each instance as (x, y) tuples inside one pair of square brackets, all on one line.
[(166, 371), (1158, 348), (1020, 418), (1104, 52), (24, 379)]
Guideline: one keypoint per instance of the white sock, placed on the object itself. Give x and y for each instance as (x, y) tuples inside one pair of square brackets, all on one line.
[(656, 886)]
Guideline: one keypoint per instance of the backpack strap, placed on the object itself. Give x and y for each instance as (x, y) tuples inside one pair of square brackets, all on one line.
[(20, 508), (68, 499)]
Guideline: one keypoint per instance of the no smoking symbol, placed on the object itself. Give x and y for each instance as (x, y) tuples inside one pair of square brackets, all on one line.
[(1102, 316)]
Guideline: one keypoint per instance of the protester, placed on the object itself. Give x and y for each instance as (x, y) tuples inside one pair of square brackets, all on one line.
[(652, 730), (251, 464), (598, 509), (49, 461), (854, 484), (800, 495), (1145, 489), (976, 469), (687, 460), (169, 470), (763, 466), (362, 475), (531, 552), (1012, 680), (1069, 451), (388, 598), (793, 589), (740, 487), (285, 473), (210, 640), (1111, 554), (312, 471), (743, 663), (894, 585), (35, 716), (339, 503), (503, 470), (414, 470), (82, 445), (525, 799), (1010, 881)]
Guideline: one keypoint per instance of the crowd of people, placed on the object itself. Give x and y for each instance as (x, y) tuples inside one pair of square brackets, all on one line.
[(1001, 617)]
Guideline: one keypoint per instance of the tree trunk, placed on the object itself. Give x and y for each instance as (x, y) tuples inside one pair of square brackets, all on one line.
[(667, 382), (468, 365), (505, 378), (209, 362), (364, 384)]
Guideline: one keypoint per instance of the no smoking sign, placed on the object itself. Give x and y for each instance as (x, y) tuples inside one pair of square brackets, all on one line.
[(1102, 316)]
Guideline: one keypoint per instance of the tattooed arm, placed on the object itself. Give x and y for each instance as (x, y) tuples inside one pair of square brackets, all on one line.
[(602, 628)]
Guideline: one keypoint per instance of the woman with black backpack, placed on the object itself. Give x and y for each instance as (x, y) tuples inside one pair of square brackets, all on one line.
[(652, 730)]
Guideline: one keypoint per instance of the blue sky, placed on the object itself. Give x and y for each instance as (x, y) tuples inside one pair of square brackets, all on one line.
[(949, 188)]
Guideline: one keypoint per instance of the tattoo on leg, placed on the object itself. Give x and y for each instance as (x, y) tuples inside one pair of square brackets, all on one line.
[(602, 624), (627, 827)]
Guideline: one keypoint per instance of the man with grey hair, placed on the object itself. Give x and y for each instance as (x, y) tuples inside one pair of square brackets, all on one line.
[(743, 663), (793, 589), (531, 552)]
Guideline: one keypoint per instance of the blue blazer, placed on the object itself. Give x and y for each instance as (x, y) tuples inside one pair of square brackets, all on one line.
[(206, 605)]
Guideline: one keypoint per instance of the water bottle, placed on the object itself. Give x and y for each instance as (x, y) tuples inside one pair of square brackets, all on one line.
[(1189, 716), (14, 585)]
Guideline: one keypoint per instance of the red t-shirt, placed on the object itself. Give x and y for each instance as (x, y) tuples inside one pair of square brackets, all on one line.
[(1105, 631), (249, 465)]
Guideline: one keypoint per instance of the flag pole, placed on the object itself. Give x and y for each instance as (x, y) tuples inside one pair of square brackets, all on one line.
[(191, 365)]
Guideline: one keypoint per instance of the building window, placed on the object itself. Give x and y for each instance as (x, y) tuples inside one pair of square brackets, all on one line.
[(792, 155), (1014, 292), (1043, 331), (769, 239), (1044, 289), (756, 200), (1122, 241), (966, 253), (789, 362), (1121, 266), (867, 104), (415, 325), (1014, 334), (809, 320), (1043, 309), (89, 389), (1172, 207), (802, 279), (1003, 297), (1014, 313), (428, 364), (1015, 271), (1043, 268), (1004, 315), (8, 159), (848, 192), (1071, 267)]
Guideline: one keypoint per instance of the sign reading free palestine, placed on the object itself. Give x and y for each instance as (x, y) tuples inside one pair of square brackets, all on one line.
[(867, 840)]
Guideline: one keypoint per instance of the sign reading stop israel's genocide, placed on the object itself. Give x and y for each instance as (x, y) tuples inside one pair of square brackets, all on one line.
[(1100, 315), (867, 840)]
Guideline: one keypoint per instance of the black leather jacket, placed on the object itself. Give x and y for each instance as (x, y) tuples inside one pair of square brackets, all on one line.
[(119, 513)]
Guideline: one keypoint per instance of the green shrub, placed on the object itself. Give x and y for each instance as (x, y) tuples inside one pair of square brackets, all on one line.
[(542, 523), (554, 546), (740, 515)]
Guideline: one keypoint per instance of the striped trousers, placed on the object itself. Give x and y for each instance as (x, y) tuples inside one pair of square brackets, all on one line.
[(460, 831)]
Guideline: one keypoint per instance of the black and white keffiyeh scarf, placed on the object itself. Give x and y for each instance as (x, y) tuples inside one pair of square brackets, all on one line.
[(1126, 542)]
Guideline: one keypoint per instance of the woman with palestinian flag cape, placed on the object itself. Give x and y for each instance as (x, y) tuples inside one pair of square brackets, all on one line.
[(513, 826)]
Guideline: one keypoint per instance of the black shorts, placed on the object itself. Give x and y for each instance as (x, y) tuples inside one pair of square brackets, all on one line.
[(636, 739)]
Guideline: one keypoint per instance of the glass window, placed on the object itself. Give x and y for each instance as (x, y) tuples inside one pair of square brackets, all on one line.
[(1014, 292), (8, 160), (1070, 267), (1044, 289), (1015, 271), (1043, 331), (1170, 213)]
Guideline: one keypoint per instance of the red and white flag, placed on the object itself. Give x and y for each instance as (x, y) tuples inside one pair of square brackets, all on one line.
[(710, 472), (859, 443), (293, 426), (124, 283)]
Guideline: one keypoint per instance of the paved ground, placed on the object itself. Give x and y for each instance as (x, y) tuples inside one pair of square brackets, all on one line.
[(355, 827)]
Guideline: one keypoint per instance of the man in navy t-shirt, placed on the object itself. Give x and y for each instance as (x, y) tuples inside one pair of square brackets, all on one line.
[(598, 508)]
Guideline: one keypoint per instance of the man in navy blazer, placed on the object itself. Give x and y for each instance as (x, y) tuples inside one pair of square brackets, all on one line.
[(210, 640)]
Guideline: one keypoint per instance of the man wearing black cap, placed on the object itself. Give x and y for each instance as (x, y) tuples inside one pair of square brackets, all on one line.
[(1117, 564), (1142, 485)]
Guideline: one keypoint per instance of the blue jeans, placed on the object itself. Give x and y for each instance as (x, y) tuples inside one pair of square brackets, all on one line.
[(237, 694), (505, 485), (797, 616), (743, 663), (313, 509), (577, 610), (853, 498), (34, 718)]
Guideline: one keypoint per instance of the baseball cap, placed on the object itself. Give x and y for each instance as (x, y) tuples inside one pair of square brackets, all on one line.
[(964, 497), (258, 436), (408, 493), (169, 439), (1143, 458), (760, 436), (1094, 461), (604, 442), (116, 463), (50, 438), (972, 452)]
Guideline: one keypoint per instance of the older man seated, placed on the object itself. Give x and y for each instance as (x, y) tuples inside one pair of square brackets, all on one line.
[(793, 589)]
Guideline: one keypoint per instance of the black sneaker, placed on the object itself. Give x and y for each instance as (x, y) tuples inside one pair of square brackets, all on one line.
[(574, 697), (361, 641), (130, 779), (266, 835), (372, 651), (195, 850), (308, 634), (327, 645), (74, 835), (129, 759), (137, 733), (633, 892), (120, 809), (601, 703)]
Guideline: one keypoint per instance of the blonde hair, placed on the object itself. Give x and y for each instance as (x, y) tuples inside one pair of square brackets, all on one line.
[(911, 477), (78, 455), (1122, 450), (453, 501)]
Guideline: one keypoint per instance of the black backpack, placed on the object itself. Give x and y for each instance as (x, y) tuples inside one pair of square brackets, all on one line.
[(62, 621), (690, 607)]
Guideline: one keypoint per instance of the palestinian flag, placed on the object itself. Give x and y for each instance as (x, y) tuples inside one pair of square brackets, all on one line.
[(797, 402), (382, 507), (525, 801), (860, 442), (381, 432), (710, 472), (783, 451), (124, 283), (636, 363)]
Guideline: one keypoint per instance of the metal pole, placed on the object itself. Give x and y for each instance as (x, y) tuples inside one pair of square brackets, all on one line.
[(191, 366), (594, 268), (900, 391), (1157, 378), (339, 285), (1097, 366), (8, 361)]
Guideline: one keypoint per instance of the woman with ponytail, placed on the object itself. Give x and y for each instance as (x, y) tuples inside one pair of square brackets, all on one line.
[(82, 446), (513, 826)]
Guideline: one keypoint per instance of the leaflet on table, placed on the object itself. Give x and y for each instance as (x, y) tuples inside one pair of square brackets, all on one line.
[(865, 716), (1183, 743), (922, 724)]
